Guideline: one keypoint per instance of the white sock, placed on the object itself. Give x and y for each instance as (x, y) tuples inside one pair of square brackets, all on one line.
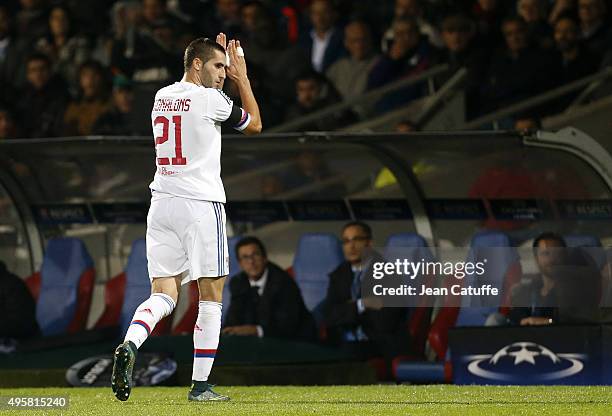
[(205, 339), (147, 315)]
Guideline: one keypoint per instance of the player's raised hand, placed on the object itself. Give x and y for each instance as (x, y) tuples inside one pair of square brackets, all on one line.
[(237, 70), (222, 40)]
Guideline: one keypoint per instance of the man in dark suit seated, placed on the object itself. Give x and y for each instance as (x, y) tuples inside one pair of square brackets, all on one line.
[(538, 291), (361, 324), (566, 289), (17, 307), (265, 300)]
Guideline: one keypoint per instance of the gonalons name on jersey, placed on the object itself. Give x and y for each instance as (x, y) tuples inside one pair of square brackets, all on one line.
[(171, 104)]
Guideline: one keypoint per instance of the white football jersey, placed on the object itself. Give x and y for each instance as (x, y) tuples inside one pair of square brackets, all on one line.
[(186, 120)]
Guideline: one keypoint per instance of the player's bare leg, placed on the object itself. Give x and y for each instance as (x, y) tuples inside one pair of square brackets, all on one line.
[(161, 303), (206, 339)]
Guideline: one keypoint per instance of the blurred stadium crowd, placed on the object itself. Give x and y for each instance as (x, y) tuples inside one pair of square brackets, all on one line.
[(73, 67)]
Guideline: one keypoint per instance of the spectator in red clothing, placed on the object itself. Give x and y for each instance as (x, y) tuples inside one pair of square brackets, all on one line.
[(502, 178)]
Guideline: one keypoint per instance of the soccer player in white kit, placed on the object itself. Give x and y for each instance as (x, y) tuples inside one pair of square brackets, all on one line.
[(186, 237)]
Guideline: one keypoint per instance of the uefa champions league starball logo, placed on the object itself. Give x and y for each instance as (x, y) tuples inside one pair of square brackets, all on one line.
[(525, 360)]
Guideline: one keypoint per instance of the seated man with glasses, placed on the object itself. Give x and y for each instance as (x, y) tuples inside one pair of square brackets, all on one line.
[(265, 300), (358, 323)]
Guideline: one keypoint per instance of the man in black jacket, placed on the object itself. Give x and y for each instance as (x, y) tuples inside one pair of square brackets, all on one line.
[(265, 300), (17, 307), (360, 323)]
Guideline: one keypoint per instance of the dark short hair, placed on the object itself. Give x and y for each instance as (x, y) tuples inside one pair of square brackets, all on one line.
[(361, 22), (457, 23), (411, 21), (37, 56), (68, 14), (311, 75), (514, 19), (364, 227), (256, 3), (93, 65), (247, 241), (567, 16), (549, 236), (202, 48)]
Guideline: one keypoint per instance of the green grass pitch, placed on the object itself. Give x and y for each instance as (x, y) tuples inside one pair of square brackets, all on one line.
[(336, 400)]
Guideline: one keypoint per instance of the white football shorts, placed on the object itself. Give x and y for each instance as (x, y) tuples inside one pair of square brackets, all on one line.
[(186, 235)]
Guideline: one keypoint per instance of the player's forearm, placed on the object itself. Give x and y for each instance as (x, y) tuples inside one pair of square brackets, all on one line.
[(249, 104)]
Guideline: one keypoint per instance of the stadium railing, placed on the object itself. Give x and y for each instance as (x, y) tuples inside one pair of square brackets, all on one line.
[(493, 120), (369, 97), (419, 111)]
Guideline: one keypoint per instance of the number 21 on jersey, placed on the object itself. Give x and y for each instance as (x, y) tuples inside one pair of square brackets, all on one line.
[(178, 158)]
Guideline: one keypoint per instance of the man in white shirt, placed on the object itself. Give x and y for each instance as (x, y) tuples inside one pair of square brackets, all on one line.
[(324, 43), (186, 237)]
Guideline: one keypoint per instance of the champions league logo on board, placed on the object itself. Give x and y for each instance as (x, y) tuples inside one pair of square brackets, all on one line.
[(525, 360)]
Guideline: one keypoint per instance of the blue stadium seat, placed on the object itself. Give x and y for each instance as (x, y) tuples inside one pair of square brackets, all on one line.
[(233, 260), (137, 285), (234, 270), (591, 244), (411, 246), (316, 256), (502, 270), (67, 280)]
